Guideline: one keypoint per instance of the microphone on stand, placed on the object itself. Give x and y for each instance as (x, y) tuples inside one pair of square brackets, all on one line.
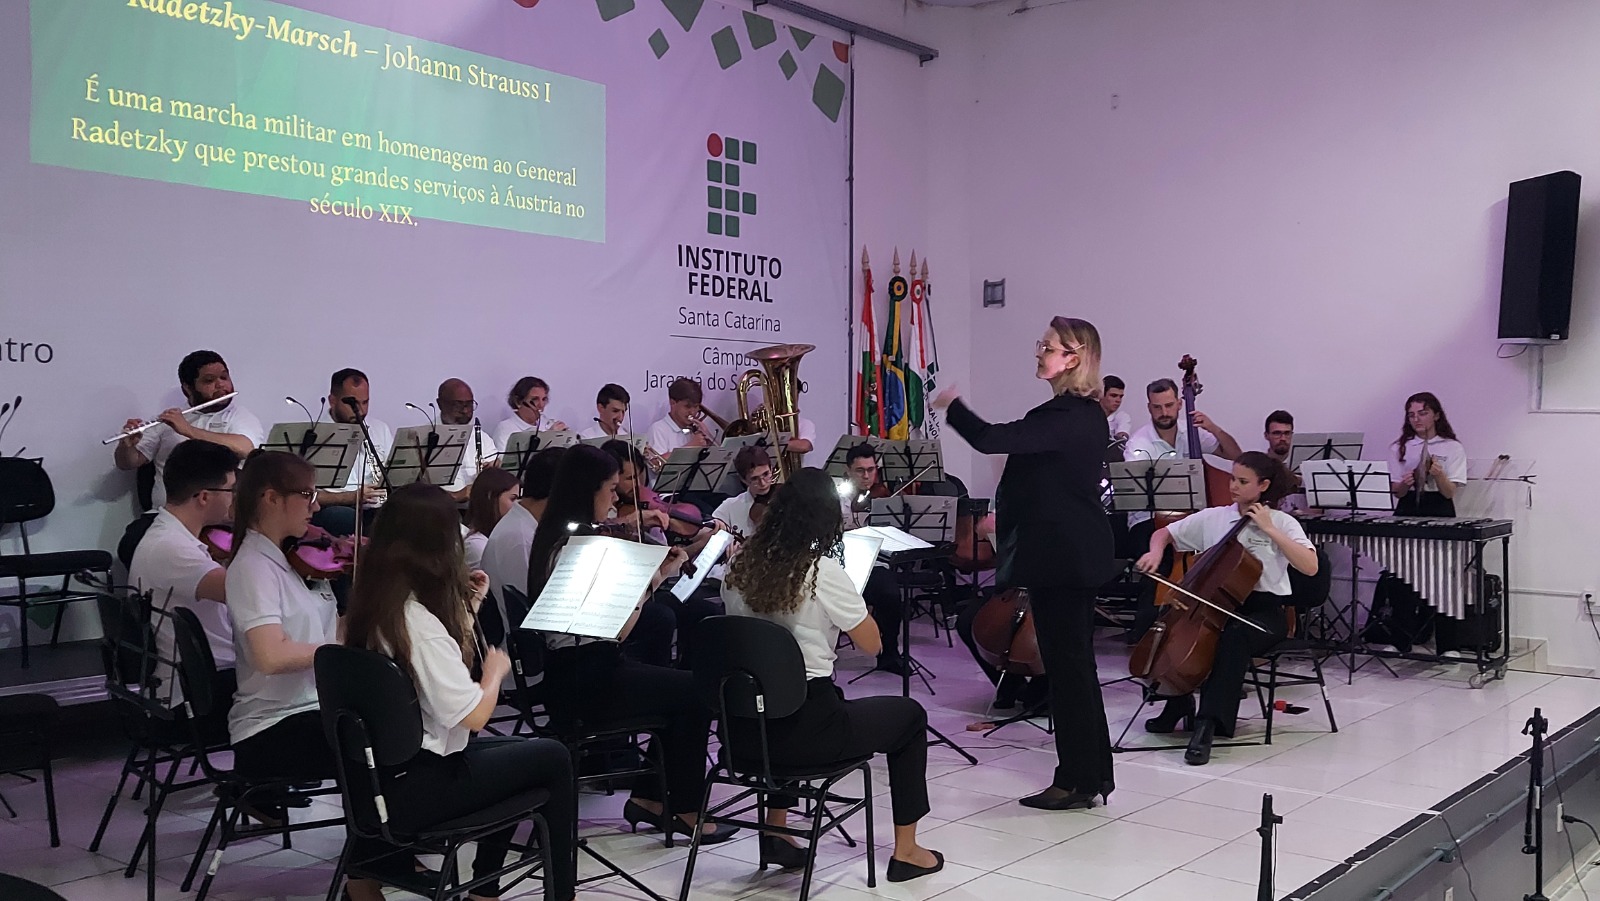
[(349, 400)]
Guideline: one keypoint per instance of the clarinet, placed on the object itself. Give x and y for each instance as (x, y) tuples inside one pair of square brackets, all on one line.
[(477, 442)]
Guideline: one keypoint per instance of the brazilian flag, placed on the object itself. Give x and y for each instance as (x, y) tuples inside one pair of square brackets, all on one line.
[(896, 421)]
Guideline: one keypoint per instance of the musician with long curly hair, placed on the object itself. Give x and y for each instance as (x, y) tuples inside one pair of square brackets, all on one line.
[(791, 572)]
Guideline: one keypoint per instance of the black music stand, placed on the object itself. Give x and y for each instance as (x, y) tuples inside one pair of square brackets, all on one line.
[(428, 454), (694, 469), (521, 446), (835, 465), (911, 459), (1325, 446), (1357, 486), (1170, 485), (638, 441), (332, 448)]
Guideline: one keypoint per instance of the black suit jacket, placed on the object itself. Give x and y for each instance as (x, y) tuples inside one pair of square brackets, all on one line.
[(1050, 527)]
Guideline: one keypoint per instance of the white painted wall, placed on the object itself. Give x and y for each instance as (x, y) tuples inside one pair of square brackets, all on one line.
[(1309, 198)]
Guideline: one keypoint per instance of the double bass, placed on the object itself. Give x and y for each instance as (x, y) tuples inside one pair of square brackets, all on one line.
[(1217, 492)]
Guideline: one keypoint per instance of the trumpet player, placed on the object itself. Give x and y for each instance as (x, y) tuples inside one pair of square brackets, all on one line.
[(684, 425), (611, 411), (203, 377)]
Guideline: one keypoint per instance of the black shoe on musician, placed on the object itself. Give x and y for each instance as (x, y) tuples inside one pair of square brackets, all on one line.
[(1179, 710), (1199, 751), (1007, 692), (894, 664)]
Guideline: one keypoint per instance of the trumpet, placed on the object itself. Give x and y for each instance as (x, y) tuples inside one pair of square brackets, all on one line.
[(150, 425)]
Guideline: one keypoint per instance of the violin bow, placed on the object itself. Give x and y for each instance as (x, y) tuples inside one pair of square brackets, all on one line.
[(1229, 613)]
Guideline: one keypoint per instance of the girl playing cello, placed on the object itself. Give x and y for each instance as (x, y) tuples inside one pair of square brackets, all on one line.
[(1274, 538)]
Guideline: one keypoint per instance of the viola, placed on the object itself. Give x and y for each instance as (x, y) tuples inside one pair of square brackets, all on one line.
[(1004, 633), (317, 555), (1217, 480), (684, 520), (1179, 650)]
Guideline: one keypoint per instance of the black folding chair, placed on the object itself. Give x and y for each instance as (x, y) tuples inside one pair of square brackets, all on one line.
[(373, 721), (1309, 594), (26, 495), (237, 794), (25, 722), (751, 669)]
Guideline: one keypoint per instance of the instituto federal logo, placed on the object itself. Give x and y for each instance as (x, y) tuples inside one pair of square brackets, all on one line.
[(728, 198)]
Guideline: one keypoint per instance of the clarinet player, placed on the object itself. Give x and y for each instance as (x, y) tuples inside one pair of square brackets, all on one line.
[(1052, 538)]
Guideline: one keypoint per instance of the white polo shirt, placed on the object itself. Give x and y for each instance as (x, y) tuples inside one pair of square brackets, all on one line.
[(593, 430), (483, 443), (735, 511), (1448, 451), (505, 553), (264, 590), (156, 444), (445, 690), (513, 425), (383, 440), (1120, 421), (834, 606), (666, 437), (1199, 531), (169, 564), (808, 432), (1147, 444)]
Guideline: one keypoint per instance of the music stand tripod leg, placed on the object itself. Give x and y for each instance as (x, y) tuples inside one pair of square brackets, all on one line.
[(938, 738)]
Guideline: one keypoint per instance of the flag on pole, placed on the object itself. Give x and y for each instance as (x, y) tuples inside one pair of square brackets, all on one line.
[(930, 351), (896, 425), (868, 386), (916, 403)]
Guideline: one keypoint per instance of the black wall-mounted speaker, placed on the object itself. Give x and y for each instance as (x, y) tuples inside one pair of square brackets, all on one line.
[(1541, 249)]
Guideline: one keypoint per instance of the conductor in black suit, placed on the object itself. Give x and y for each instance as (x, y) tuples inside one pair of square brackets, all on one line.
[(1052, 538)]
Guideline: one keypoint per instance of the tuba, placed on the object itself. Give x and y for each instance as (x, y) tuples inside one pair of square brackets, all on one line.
[(780, 388)]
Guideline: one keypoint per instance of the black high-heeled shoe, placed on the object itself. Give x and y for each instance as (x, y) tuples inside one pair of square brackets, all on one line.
[(781, 854), (1179, 709), (905, 871), (1060, 799), (1199, 751), (636, 814)]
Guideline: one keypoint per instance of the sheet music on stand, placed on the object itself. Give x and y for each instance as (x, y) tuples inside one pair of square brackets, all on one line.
[(913, 458), (835, 466), (715, 547), (1354, 485), (331, 447), (595, 587), (694, 469), (1325, 446), (860, 556), (427, 454), (930, 518), (891, 540), (1171, 484), (521, 446)]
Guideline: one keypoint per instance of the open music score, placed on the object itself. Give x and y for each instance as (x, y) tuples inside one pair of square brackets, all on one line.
[(638, 441), (891, 539), (1170, 484), (694, 469), (861, 550), (595, 587), (524, 444), (332, 448), (715, 547)]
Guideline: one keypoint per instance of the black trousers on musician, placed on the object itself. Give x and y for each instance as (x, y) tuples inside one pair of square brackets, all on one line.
[(1064, 620), (1236, 647), (434, 789), (887, 606), (827, 729), (593, 687)]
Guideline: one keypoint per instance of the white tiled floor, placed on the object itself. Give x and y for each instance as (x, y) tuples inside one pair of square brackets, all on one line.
[(1170, 831)]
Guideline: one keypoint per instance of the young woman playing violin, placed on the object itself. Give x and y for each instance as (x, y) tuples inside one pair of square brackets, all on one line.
[(1052, 538), (590, 682), (1272, 537)]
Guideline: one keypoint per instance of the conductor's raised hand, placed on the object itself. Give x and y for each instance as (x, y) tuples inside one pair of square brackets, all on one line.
[(946, 397)]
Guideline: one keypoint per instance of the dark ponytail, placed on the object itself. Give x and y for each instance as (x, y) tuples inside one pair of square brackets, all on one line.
[(1268, 469)]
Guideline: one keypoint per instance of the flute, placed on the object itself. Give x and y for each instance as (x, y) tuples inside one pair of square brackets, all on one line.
[(150, 425)]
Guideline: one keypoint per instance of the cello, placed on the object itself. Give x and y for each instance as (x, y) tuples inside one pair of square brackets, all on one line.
[(1178, 651), (1217, 493)]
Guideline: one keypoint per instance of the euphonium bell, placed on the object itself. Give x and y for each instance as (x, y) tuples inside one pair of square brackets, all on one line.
[(779, 378)]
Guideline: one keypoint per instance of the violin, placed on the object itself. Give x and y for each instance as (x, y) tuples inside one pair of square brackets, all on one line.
[(684, 520), (318, 556), (1179, 650), (1217, 480)]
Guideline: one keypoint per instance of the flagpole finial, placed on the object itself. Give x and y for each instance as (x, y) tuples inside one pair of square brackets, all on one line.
[(913, 264), (924, 273), (865, 264), (896, 264)]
